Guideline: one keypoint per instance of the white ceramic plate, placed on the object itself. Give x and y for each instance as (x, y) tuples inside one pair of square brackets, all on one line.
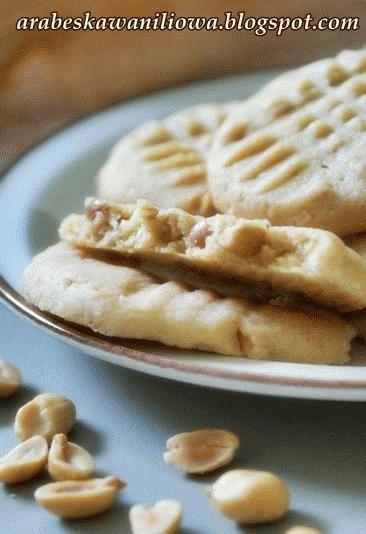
[(52, 180)]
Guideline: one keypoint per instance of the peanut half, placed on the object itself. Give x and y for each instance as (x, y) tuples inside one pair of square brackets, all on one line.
[(201, 451), (85, 498), (10, 379), (249, 496), (163, 518), (24, 461), (46, 415), (68, 461)]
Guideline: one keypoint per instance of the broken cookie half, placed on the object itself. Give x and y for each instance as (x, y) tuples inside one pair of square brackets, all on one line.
[(313, 264)]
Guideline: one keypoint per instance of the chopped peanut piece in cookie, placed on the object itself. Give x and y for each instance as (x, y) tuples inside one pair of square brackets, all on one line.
[(245, 238), (198, 235)]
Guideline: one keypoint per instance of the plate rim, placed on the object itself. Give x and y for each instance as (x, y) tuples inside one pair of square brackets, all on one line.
[(72, 335)]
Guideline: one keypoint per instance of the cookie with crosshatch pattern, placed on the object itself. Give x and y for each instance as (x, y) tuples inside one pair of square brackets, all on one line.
[(294, 153), (165, 161)]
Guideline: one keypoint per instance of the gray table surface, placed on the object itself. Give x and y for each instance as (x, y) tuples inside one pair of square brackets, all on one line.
[(125, 418)]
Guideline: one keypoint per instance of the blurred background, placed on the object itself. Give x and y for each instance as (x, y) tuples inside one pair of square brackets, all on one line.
[(50, 78)]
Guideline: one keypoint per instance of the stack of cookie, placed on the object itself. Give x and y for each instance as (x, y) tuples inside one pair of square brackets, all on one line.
[(232, 228)]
